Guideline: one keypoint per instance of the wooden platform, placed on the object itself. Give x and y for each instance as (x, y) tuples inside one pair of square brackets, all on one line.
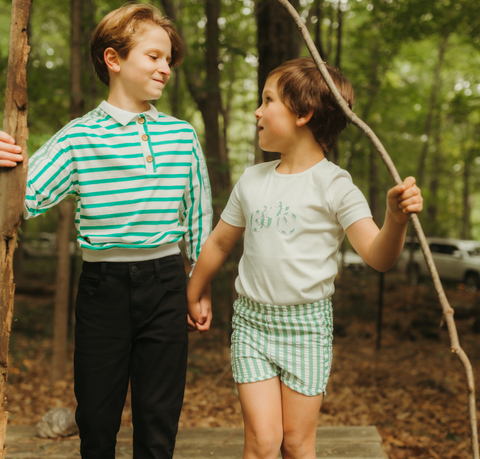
[(332, 443)]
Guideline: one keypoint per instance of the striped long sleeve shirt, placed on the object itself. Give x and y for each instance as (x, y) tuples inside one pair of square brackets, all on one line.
[(140, 183)]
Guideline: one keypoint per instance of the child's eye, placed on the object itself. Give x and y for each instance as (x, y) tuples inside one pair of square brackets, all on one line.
[(154, 58)]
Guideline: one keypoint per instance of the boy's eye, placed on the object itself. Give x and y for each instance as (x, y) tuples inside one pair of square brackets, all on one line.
[(154, 58)]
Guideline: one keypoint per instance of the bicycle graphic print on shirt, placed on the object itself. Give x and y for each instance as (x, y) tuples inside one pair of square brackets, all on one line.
[(286, 221)]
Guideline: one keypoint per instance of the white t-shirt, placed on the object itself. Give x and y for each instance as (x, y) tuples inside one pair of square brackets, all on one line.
[(294, 225)]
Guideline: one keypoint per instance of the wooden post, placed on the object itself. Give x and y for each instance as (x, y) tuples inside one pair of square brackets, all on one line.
[(12, 185)]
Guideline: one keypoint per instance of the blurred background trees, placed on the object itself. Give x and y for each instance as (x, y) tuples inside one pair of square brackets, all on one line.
[(414, 66)]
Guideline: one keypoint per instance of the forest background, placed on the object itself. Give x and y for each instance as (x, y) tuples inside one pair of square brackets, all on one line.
[(414, 66)]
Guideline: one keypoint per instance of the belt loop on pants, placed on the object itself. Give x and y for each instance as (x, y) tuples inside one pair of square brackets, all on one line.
[(156, 266), (103, 271)]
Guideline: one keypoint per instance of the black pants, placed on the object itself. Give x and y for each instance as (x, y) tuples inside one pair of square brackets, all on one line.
[(130, 324)]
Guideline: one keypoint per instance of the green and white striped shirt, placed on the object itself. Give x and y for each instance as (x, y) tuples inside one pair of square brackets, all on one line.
[(140, 181)]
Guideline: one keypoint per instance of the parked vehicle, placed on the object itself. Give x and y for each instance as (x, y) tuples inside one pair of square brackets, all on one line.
[(456, 261), (43, 245), (351, 260)]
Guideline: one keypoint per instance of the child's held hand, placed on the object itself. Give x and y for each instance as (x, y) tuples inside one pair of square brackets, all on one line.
[(200, 314), (10, 153), (404, 199)]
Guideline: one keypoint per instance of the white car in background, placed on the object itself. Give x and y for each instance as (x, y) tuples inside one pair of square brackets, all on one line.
[(351, 260), (456, 261)]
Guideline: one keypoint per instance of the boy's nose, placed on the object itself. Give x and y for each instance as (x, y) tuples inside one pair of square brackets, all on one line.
[(258, 114)]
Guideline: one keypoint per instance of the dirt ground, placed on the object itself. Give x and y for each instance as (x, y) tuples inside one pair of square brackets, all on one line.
[(413, 389)]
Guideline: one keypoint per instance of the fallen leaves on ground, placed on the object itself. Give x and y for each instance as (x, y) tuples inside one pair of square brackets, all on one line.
[(413, 389)]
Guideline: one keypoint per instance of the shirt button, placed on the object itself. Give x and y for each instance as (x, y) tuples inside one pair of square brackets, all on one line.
[(141, 120), (149, 159), (134, 269), (144, 137)]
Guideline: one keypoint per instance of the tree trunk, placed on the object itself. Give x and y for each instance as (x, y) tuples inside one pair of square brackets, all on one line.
[(431, 108), (336, 149), (278, 41), (339, 36), (88, 26), (466, 225), (432, 205), (62, 291), (211, 108), (328, 56), (373, 188), (318, 27), (76, 98), (468, 157), (12, 185), (374, 86), (65, 211)]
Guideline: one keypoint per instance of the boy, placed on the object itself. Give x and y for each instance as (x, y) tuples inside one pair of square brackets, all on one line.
[(295, 213), (141, 185)]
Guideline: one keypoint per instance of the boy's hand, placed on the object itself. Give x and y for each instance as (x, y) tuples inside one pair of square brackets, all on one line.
[(191, 324), (404, 199), (10, 153)]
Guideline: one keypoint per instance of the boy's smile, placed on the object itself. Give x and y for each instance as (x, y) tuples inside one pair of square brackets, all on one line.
[(142, 76), (276, 123)]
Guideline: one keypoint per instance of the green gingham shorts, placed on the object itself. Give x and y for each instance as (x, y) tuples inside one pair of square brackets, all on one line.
[(294, 342)]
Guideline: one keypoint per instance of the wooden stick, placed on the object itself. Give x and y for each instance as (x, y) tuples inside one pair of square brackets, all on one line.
[(447, 309), (12, 185)]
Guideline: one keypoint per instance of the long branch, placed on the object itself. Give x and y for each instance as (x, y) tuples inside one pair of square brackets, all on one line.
[(447, 309)]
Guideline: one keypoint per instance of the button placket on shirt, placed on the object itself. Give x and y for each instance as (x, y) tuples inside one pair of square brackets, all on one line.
[(145, 143)]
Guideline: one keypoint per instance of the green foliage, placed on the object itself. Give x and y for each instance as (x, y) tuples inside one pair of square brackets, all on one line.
[(390, 49)]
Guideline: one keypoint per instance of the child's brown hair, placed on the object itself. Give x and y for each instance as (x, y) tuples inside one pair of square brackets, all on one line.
[(120, 30), (301, 88)]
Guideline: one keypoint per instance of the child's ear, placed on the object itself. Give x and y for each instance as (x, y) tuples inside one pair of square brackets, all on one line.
[(112, 60), (304, 119)]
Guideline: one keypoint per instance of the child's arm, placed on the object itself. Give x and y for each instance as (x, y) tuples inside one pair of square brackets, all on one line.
[(214, 252), (381, 248), (10, 153)]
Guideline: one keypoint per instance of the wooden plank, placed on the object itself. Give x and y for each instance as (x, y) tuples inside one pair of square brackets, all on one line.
[(332, 442), (348, 434)]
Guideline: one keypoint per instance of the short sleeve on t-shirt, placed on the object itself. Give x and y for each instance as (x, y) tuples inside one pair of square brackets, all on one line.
[(233, 213), (348, 201)]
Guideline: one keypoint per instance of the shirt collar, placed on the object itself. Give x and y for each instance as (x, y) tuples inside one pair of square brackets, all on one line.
[(124, 117)]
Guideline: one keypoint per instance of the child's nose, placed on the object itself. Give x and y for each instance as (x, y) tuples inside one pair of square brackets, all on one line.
[(258, 114), (164, 68)]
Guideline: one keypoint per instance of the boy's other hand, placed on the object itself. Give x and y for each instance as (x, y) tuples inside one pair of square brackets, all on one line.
[(10, 154), (404, 199)]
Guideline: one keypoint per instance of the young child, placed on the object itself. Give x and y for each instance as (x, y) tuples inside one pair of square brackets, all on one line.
[(140, 182), (295, 213)]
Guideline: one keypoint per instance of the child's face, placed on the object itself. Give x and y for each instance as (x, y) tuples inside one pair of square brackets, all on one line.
[(276, 123), (146, 70)]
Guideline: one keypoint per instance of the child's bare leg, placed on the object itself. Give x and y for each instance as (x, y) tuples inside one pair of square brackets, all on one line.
[(262, 413), (300, 413)]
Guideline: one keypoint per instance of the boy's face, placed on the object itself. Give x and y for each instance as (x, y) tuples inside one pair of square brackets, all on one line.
[(146, 70), (276, 123)]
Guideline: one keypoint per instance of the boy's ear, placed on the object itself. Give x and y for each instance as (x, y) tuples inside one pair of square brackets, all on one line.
[(112, 60), (304, 119)]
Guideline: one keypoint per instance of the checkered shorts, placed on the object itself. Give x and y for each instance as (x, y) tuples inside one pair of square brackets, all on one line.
[(294, 342)]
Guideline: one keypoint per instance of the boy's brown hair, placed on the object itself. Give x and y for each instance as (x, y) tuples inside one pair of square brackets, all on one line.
[(120, 30), (301, 88)]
